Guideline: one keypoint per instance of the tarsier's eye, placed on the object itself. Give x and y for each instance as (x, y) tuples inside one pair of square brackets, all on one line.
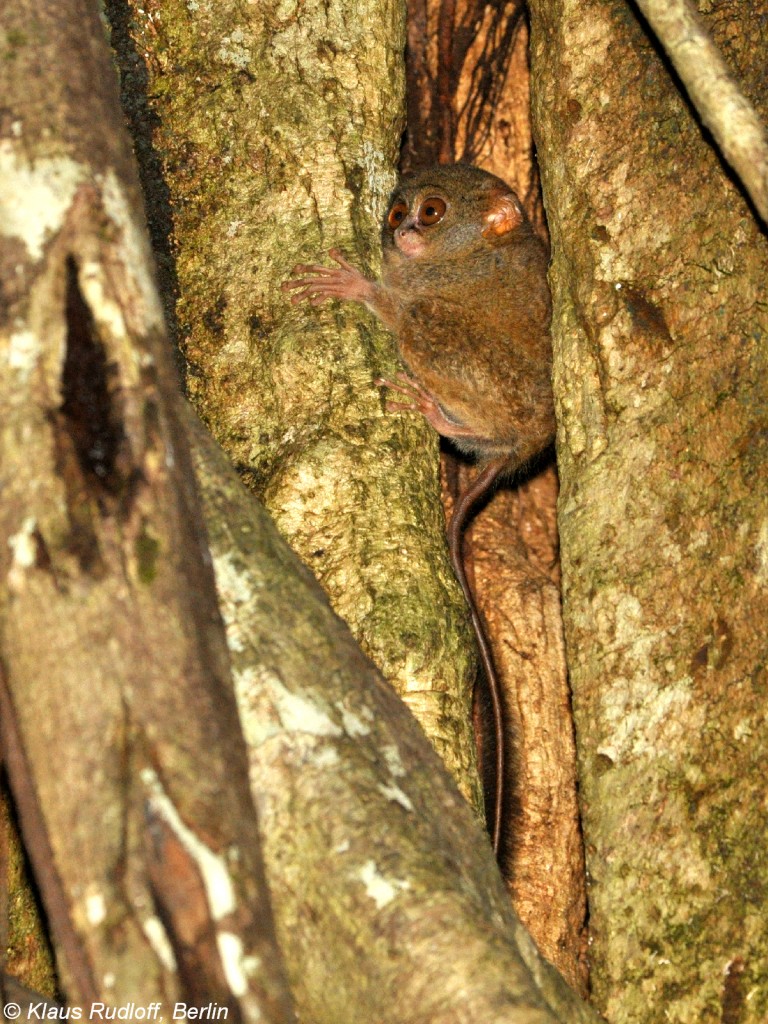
[(397, 214), (432, 210)]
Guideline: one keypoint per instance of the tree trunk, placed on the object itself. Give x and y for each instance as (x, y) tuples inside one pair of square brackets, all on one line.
[(660, 324), (388, 903), (278, 134), (118, 727)]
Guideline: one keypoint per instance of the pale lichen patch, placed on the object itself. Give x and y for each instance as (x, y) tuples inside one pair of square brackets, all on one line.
[(231, 951), (380, 889), (233, 585), (640, 719), (137, 257), (23, 553), (353, 723), (233, 50), (394, 761), (299, 714), (23, 354), (761, 554), (35, 196), (213, 869), (95, 908), (393, 792), (106, 312)]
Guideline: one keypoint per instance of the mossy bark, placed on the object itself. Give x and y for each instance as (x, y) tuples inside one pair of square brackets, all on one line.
[(277, 125), (660, 328), (26, 949)]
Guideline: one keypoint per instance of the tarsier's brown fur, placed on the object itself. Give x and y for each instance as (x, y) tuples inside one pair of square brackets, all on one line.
[(464, 290)]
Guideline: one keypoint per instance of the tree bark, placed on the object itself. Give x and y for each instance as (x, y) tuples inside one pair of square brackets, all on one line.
[(278, 134), (660, 324), (118, 727), (388, 903), (25, 951)]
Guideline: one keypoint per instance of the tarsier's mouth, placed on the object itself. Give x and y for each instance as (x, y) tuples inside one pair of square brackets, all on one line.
[(410, 242)]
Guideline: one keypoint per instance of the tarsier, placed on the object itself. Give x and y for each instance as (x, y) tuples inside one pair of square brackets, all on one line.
[(464, 290)]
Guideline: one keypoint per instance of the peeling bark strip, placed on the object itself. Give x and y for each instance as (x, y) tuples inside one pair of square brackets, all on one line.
[(111, 645)]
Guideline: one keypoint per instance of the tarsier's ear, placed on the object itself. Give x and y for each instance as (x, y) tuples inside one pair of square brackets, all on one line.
[(504, 214)]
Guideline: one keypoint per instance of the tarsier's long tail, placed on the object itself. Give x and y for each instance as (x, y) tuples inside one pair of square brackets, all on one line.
[(483, 483)]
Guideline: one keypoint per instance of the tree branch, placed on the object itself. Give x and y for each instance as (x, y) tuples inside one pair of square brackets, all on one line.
[(722, 105)]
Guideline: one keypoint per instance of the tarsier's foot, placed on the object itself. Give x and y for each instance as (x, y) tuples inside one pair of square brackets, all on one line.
[(323, 283), (420, 400)]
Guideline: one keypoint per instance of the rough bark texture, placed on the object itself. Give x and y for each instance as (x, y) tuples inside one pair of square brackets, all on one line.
[(118, 726), (278, 127), (388, 903), (660, 324), (25, 951), (468, 100)]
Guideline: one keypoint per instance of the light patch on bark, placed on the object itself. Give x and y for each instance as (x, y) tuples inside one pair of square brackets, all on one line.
[(158, 940), (353, 724), (233, 50), (24, 552), (105, 310), (298, 714), (761, 553), (641, 719), (216, 879), (213, 869), (328, 757), (231, 951), (381, 890), (248, 682), (234, 587), (393, 792), (22, 545), (95, 908), (381, 180), (137, 257), (394, 762), (34, 198), (23, 353)]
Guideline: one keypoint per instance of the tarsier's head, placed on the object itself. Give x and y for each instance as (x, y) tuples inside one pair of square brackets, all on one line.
[(445, 211)]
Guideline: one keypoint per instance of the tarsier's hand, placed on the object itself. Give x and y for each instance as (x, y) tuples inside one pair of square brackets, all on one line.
[(323, 283)]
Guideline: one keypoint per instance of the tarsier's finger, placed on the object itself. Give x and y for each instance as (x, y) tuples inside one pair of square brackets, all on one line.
[(409, 381), (307, 287), (313, 268), (338, 255), (408, 388), (400, 407)]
